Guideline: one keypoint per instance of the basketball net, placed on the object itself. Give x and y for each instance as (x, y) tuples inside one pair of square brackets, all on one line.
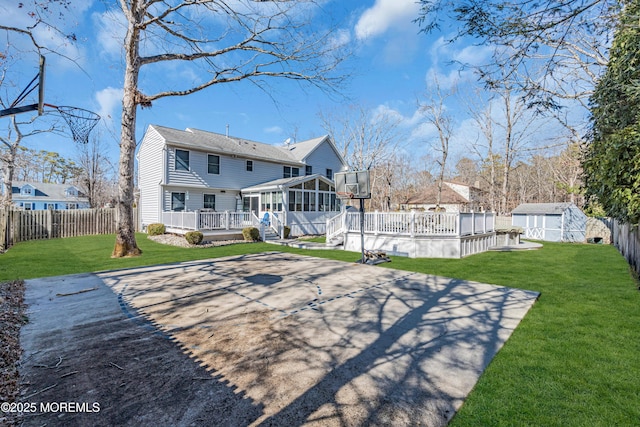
[(80, 121)]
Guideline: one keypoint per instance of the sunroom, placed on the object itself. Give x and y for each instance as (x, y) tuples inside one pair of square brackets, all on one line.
[(303, 203)]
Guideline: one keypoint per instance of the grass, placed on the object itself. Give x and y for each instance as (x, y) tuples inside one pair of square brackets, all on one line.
[(573, 361)]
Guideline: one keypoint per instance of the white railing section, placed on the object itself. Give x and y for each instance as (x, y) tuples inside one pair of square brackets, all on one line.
[(416, 223), (276, 224), (336, 226), (182, 219), (203, 221)]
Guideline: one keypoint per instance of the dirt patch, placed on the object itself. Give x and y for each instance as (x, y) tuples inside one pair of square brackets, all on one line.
[(11, 319)]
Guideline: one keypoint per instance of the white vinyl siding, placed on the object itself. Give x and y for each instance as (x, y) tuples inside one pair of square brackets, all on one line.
[(194, 199), (233, 172), (324, 158), (151, 164)]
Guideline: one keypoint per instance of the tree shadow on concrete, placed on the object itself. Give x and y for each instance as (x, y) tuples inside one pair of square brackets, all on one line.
[(121, 362), (383, 348)]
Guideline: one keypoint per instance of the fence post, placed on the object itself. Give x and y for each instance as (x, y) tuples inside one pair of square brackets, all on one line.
[(375, 223), (226, 220), (473, 223), (4, 221), (412, 224)]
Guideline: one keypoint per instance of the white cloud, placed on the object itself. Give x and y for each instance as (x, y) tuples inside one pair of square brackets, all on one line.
[(274, 129), (109, 99), (110, 32), (386, 14)]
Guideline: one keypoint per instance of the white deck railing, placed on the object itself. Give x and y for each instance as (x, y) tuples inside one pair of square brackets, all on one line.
[(414, 223), (204, 221)]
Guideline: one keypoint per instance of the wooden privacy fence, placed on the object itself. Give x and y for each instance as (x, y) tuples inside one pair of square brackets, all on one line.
[(626, 238), (20, 225)]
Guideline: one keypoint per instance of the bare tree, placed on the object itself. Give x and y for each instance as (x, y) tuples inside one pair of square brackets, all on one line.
[(484, 146), (554, 49), (223, 42), (365, 138), (96, 178), (11, 141), (435, 114)]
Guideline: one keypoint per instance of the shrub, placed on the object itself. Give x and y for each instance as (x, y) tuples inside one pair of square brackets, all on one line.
[(155, 229), (287, 231), (194, 237), (251, 234)]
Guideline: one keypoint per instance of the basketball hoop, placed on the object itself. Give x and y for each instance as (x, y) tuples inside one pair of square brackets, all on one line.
[(80, 121), (344, 195)]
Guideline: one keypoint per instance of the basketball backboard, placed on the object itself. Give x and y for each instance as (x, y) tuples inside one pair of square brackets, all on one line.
[(353, 185), (31, 97)]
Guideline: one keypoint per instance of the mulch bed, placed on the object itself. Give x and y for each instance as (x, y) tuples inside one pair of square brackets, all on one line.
[(12, 317)]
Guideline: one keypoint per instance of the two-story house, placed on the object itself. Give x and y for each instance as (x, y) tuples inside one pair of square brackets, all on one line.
[(38, 196), (194, 170)]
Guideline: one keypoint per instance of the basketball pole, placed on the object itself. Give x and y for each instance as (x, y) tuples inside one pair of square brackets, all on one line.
[(362, 230)]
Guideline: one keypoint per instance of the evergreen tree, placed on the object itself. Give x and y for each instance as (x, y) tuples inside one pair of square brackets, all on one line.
[(612, 156)]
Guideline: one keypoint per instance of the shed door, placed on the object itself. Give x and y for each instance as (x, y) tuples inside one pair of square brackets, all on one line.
[(535, 227)]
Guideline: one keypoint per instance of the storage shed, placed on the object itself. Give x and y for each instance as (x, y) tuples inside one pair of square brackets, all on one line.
[(553, 222)]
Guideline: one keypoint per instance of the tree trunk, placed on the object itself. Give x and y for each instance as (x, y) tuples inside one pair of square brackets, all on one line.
[(126, 244)]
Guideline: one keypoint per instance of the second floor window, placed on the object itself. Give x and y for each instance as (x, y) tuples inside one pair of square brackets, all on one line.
[(182, 160), (290, 172), (329, 173), (249, 165), (308, 170), (213, 164)]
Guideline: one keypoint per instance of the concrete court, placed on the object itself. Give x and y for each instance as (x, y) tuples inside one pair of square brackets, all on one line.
[(268, 339)]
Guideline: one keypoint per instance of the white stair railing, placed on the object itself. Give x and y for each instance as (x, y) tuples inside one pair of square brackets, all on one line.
[(336, 226)]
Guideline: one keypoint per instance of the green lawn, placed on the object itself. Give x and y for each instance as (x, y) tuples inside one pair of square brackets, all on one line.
[(573, 361)]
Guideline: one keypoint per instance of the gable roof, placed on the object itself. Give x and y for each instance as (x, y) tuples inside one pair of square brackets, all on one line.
[(45, 191), (429, 196), (542, 208), (303, 149), (285, 182), (217, 143)]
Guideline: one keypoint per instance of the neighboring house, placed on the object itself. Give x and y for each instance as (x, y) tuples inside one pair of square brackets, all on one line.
[(38, 196), (195, 170), (455, 197), (553, 222)]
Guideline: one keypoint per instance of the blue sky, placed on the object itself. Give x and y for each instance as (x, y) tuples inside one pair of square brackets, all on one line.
[(393, 67)]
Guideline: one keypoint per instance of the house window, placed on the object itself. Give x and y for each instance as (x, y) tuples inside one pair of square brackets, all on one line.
[(295, 201), (213, 164), (26, 191), (329, 173), (72, 206), (209, 201), (28, 206), (177, 201), (308, 170), (182, 160), (290, 172), (249, 165), (51, 206)]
